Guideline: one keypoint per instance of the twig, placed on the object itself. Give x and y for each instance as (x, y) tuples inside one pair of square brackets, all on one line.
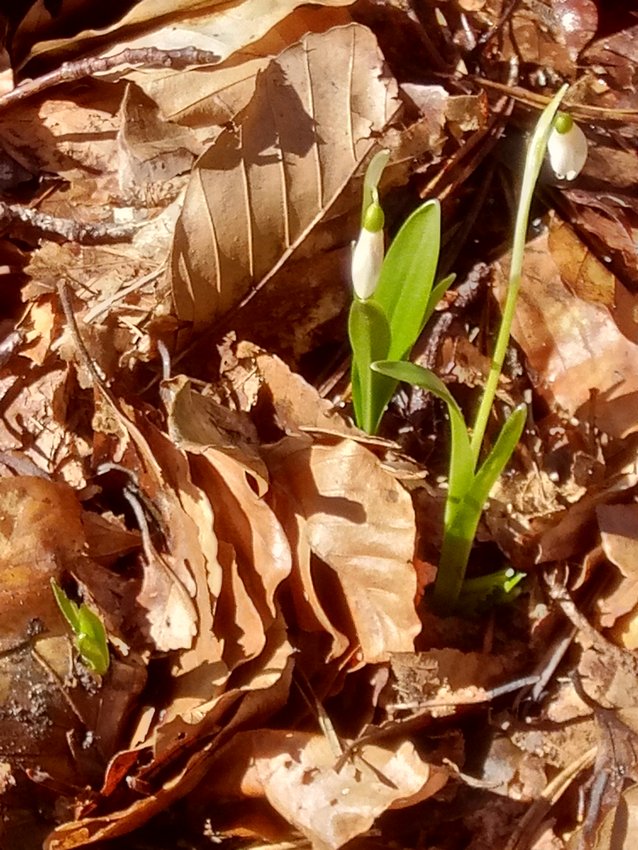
[(65, 228), (80, 68), (409, 724)]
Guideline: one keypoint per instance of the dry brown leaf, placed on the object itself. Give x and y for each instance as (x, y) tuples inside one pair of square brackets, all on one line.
[(250, 374), (253, 549), (584, 358), (265, 182), (619, 537), (150, 150), (209, 95), (295, 772), (213, 25), (359, 521), (46, 708), (579, 269), (183, 583), (618, 829)]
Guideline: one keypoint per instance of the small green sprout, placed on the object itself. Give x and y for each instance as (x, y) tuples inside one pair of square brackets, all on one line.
[(90, 635), (486, 592)]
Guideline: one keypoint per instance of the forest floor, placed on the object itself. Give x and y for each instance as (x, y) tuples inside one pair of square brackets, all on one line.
[(181, 186)]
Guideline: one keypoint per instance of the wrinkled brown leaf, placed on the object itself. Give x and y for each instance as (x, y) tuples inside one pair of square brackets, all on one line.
[(295, 772), (359, 521), (265, 182)]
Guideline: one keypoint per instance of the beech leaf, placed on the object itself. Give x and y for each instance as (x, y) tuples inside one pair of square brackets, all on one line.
[(267, 180)]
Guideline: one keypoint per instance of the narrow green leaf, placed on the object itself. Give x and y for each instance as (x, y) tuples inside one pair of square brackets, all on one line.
[(461, 467), (88, 629), (407, 275), (92, 643), (69, 609), (499, 455), (460, 531), (369, 340)]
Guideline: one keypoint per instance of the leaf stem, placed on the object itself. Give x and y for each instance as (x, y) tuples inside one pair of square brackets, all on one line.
[(533, 163)]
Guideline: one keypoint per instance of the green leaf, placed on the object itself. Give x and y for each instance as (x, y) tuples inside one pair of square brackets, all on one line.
[(485, 592), (407, 275), (499, 455), (461, 465), (460, 531), (90, 635), (369, 340)]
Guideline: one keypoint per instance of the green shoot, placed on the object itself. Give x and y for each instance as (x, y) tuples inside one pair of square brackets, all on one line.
[(468, 489), (469, 483), (485, 592), (397, 299), (90, 635), (533, 163)]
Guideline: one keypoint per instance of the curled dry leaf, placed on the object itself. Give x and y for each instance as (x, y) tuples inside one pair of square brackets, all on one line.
[(213, 94), (295, 772), (206, 24), (266, 181), (357, 522)]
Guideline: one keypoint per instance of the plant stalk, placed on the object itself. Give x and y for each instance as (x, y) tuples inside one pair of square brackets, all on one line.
[(533, 164)]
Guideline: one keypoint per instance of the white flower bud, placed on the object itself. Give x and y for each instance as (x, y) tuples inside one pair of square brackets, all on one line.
[(367, 255), (567, 148)]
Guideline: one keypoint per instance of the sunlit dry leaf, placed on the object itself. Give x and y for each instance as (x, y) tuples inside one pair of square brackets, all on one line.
[(568, 26), (188, 569), (150, 150), (579, 269), (44, 703), (253, 548), (584, 357), (619, 536), (295, 772), (209, 95), (618, 829), (197, 422), (266, 181), (210, 25), (359, 521), (40, 535), (251, 374)]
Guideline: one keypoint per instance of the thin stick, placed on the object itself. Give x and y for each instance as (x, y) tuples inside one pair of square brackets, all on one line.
[(77, 70)]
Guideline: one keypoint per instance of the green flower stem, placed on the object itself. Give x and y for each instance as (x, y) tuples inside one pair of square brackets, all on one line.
[(533, 163)]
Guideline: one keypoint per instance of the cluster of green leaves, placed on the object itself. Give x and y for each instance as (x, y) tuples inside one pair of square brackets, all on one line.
[(88, 629), (386, 325), (383, 330)]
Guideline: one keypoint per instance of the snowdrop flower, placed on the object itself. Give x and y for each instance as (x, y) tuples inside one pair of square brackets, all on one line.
[(367, 255), (567, 147)]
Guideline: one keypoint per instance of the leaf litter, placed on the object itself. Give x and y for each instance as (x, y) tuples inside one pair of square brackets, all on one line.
[(178, 203)]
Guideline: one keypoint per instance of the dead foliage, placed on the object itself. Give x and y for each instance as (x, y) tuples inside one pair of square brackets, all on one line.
[(181, 183)]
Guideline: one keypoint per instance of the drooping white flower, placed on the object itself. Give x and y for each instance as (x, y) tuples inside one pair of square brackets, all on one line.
[(367, 255), (567, 147)]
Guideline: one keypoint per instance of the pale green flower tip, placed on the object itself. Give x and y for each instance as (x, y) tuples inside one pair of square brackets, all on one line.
[(563, 122), (367, 259), (374, 219), (567, 152)]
